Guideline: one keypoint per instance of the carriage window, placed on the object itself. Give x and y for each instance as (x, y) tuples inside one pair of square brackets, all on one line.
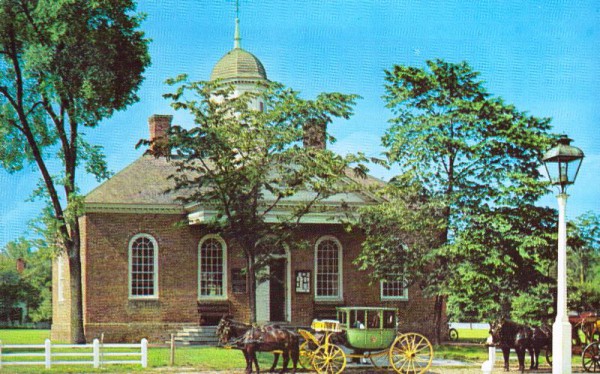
[(212, 262), (328, 268), (393, 290), (238, 281), (143, 267), (389, 319)]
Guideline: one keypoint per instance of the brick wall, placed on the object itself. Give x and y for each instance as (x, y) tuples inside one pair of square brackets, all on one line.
[(109, 310)]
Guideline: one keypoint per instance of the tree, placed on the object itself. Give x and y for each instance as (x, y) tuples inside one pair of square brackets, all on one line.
[(466, 148), (250, 165), (503, 255), (33, 285), (584, 246), (65, 65), (584, 262)]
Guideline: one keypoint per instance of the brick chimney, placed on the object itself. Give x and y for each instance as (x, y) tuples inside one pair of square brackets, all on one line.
[(21, 265), (159, 125), (314, 134)]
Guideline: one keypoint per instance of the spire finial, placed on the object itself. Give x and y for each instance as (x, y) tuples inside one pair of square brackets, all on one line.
[(236, 37)]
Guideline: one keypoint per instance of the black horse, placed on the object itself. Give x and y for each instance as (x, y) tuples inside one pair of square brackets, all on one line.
[(541, 339), (251, 339), (507, 334)]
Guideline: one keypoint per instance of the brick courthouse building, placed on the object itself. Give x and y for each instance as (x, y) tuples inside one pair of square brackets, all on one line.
[(146, 275)]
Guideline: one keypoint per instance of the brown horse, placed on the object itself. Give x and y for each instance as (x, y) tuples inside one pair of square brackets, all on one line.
[(507, 334), (251, 339)]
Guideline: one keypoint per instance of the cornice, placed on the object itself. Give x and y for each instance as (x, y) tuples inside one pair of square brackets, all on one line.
[(134, 208)]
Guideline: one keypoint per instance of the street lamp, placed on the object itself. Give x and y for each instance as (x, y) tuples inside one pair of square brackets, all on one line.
[(562, 164)]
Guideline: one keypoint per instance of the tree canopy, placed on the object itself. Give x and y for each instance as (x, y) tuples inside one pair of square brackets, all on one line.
[(65, 65), (467, 150), (251, 167)]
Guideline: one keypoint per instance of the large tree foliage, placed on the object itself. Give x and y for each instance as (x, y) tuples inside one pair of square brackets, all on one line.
[(64, 66), (467, 149), (500, 255), (584, 262), (31, 287), (250, 165)]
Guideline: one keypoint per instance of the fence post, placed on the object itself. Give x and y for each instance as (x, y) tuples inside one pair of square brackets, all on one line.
[(48, 353), (0, 354), (172, 357), (144, 353), (96, 353)]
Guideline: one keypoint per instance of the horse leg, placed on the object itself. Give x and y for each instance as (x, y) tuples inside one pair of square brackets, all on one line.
[(286, 359), (275, 361), (248, 361), (521, 357), (255, 359), (295, 353), (506, 354), (535, 354)]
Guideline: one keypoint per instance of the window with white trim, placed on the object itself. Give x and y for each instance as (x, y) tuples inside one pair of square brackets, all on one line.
[(393, 289), (143, 267), (212, 267), (328, 268)]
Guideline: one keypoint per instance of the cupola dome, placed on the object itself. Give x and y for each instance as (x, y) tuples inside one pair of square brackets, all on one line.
[(238, 64)]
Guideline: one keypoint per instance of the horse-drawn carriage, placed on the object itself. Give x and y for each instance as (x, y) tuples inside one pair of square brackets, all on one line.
[(361, 333), (587, 324)]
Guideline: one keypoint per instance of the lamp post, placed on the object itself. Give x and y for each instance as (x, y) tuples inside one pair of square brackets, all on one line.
[(562, 164)]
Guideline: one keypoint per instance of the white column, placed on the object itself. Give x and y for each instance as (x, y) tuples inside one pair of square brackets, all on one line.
[(561, 330)]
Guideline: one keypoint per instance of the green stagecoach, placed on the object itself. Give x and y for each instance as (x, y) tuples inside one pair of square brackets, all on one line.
[(362, 333)]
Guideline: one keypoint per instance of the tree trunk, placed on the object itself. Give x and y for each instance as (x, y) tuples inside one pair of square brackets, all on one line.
[(437, 319), (251, 276), (77, 331)]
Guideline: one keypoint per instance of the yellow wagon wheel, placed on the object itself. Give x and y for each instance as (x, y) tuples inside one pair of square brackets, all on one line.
[(411, 353), (306, 355), (330, 359)]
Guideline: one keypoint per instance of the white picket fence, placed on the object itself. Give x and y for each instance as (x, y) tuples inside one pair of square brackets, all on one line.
[(94, 354)]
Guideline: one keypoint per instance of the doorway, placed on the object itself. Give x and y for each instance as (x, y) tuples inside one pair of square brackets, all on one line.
[(277, 290)]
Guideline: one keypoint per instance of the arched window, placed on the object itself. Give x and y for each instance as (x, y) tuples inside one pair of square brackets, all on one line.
[(143, 267), (212, 268), (328, 268)]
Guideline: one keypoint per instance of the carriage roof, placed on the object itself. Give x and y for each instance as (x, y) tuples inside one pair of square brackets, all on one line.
[(371, 308)]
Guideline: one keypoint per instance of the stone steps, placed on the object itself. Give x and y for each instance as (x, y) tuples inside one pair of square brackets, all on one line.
[(196, 335)]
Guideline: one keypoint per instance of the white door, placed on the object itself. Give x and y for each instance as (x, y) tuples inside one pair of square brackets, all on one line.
[(263, 297)]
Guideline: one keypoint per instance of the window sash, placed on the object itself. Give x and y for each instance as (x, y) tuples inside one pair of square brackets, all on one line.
[(328, 269), (143, 267), (212, 282), (393, 290)]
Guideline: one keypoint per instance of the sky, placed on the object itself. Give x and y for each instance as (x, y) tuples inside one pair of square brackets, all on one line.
[(542, 56)]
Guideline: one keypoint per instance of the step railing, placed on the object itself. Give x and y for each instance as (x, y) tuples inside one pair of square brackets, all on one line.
[(95, 354)]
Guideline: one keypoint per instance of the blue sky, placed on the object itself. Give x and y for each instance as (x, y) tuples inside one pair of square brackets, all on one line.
[(542, 56)]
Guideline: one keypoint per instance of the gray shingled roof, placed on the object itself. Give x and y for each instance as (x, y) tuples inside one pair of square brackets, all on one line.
[(142, 182), (145, 181)]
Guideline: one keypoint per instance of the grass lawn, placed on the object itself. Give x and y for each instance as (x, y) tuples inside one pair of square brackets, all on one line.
[(212, 358), (25, 336)]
